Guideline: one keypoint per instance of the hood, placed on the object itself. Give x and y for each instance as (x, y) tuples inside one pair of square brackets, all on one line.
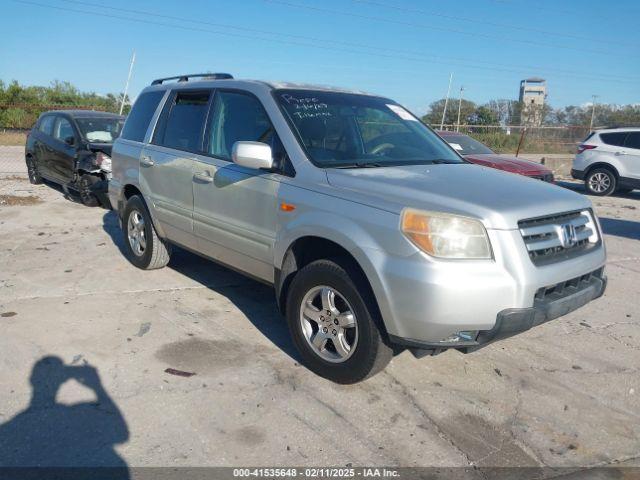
[(100, 147), (497, 198), (509, 164)]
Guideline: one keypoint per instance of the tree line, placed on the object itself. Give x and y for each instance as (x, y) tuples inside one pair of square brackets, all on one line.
[(21, 105), (511, 112)]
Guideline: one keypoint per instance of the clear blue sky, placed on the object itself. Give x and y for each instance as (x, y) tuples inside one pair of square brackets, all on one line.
[(401, 49)]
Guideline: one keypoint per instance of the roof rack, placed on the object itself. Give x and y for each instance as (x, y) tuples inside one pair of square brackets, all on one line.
[(185, 78)]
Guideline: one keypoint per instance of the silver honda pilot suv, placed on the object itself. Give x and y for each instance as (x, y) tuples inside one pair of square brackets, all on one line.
[(376, 235)]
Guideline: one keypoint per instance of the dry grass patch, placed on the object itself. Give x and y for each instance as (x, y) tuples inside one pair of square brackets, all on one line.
[(13, 138)]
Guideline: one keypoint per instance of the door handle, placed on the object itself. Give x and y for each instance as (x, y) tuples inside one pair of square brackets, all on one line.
[(203, 177), (621, 152), (146, 161)]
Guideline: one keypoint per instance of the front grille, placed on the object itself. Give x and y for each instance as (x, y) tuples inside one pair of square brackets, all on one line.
[(559, 290), (546, 239)]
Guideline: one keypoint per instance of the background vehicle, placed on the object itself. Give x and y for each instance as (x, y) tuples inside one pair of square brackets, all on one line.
[(373, 231), (608, 161), (73, 148), (478, 153)]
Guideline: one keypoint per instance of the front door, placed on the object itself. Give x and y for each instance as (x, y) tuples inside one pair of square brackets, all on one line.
[(631, 155), (166, 165), (63, 155), (235, 208)]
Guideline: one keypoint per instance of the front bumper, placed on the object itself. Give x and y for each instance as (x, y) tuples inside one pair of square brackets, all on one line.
[(548, 305)]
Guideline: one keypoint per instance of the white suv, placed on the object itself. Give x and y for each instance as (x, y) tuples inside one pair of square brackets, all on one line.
[(609, 161)]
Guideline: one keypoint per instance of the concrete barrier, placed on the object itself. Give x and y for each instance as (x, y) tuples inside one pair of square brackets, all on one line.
[(560, 164)]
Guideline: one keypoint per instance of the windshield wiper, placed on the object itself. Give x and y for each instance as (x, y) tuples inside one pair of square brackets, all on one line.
[(441, 161), (360, 165)]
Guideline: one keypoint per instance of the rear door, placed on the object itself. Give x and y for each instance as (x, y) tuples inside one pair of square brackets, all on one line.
[(631, 157), (42, 145), (166, 164), (235, 208), (63, 155)]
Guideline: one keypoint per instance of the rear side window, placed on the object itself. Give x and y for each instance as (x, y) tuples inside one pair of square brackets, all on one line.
[(616, 139), (237, 117), (633, 140), (46, 125), (182, 122), (138, 120)]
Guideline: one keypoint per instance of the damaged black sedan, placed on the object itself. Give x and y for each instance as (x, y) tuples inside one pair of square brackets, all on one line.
[(73, 148)]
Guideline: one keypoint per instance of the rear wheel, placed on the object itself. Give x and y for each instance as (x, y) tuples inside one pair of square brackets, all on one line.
[(32, 171), (144, 248), (600, 182), (334, 323)]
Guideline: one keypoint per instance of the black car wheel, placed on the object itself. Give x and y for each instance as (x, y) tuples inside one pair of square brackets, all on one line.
[(32, 171), (600, 182), (87, 197), (334, 322)]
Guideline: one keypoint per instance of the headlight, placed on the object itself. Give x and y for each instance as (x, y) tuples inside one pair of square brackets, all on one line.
[(103, 161), (445, 235)]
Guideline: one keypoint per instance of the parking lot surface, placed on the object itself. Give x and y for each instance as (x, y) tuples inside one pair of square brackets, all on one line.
[(566, 393)]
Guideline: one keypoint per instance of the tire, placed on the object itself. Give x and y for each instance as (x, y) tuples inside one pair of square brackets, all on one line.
[(368, 352), (600, 182), (145, 249), (88, 198), (32, 171)]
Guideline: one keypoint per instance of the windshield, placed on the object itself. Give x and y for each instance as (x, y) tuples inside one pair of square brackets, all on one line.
[(100, 130), (350, 130), (466, 145)]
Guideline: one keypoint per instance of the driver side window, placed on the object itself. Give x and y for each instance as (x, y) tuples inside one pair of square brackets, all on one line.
[(62, 129), (237, 117)]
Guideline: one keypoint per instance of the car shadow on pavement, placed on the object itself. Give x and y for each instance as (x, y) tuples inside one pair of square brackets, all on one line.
[(254, 299), (620, 228), (59, 438)]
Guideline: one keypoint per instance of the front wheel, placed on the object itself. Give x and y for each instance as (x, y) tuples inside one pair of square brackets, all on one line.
[(600, 182), (334, 323), (86, 195), (141, 242)]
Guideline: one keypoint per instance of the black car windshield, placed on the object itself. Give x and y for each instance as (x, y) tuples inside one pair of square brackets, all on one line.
[(350, 130), (100, 130), (465, 145)]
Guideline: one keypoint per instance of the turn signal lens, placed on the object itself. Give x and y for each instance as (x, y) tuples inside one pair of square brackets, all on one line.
[(445, 235)]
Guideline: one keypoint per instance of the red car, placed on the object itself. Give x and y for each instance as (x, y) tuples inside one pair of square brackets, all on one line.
[(478, 153)]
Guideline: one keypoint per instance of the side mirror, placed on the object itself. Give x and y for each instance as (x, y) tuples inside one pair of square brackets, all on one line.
[(254, 155), (70, 140)]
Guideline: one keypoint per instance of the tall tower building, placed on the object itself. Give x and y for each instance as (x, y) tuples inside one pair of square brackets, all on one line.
[(533, 92)]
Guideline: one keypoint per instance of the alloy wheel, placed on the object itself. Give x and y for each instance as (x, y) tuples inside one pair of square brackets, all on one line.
[(328, 324), (600, 182), (136, 233)]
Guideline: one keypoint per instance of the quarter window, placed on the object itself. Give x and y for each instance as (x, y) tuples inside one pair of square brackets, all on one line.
[(237, 117), (616, 138), (184, 123), (62, 129), (135, 128)]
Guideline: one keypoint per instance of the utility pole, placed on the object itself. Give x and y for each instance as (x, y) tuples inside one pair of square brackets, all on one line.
[(593, 111), (459, 107), (126, 86), (446, 101)]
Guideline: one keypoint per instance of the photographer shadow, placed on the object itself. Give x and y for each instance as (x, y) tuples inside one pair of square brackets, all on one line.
[(49, 435)]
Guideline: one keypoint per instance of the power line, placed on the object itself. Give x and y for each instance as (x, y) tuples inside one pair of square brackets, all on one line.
[(348, 44), (432, 27), (315, 42), (485, 22)]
